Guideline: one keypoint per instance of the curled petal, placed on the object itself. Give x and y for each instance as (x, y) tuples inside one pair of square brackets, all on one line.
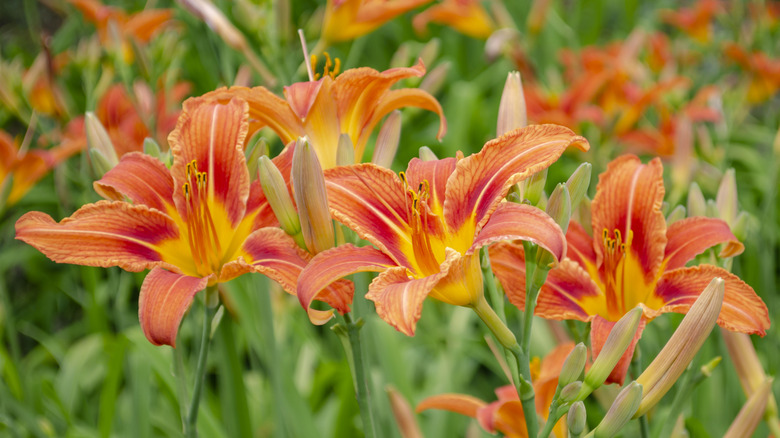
[(330, 265), (140, 178), (212, 135), (458, 403), (144, 24), (165, 297), (599, 331), (102, 234), (482, 180), (301, 96), (689, 237), (397, 99), (522, 222), (628, 200), (743, 311)]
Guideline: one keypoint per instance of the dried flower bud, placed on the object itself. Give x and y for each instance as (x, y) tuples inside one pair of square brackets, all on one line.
[(311, 198), (697, 206), (511, 110), (345, 151), (577, 418), (678, 352), (573, 365), (616, 344), (387, 140), (620, 412)]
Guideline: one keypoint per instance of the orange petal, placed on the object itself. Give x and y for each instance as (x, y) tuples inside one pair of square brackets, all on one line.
[(372, 201), (144, 24), (628, 198), (509, 419), (322, 124), (165, 297), (743, 311), (102, 234), (270, 251), (467, 17), (458, 403), (689, 237), (140, 178), (579, 245), (482, 180), (436, 174), (599, 331), (212, 135), (349, 19), (301, 96), (513, 221), (27, 171), (333, 264)]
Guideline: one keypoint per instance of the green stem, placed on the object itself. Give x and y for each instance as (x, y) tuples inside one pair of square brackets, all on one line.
[(360, 376), (190, 426), (636, 370), (530, 295)]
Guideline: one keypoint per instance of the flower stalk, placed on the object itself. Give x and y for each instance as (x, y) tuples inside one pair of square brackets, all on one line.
[(190, 426)]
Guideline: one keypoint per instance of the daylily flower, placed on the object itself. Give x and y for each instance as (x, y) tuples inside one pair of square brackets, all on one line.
[(351, 103), (633, 259), (198, 223), (140, 26), (695, 21), (468, 17), (764, 72), (569, 108), (506, 415), (349, 19), (23, 169), (429, 224)]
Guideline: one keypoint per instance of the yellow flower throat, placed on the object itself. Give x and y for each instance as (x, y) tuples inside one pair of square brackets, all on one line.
[(201, 232)]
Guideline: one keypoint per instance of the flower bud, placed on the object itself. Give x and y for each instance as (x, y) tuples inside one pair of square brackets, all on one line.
[(697, 206), (726, 199), (620, 412), (345, 151), (533, 187), (99, 141), (403, 414), (275, 190), (387, 140), (401, 56), (751, 413), (573, 365), (712, 208), (311, 198), (559, 206), (435, 79), (430, 51), (511, 109), (570, 391), (100, 164), (577, 418), (426, 154), (578, 184), (742, 225), (616, 344), (253, 152), (537, 16), (676, 214), (152, 148), (678, 352)]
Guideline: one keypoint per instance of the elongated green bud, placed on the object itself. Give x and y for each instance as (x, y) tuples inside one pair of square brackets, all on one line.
[(616, 344), (578, 184), (676, 214), (387, 140), (253, 153), (511, 109), (577, 419), (430, 51), (311, 198), (751, 413), (573, 365), (620, 412), (151, 148), (697, 206), (533, 187), (345, 152), (726, 199), (435, 79), (99, 141), (559, 206), (275, 190), (426, 154), (742, 225), (570, 391), (100, 164)]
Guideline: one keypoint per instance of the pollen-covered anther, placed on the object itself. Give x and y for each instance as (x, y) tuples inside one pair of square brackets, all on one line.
[(201, 231), (424, 254), (331, 68), (615, 250)]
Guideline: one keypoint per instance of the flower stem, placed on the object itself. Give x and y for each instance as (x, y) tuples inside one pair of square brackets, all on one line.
[(360, 376), (531, 293), (190, 426), (636, 370)]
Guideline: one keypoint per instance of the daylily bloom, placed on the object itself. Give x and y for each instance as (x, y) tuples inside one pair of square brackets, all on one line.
[(695, 21), (196, 224), (351, 103), (349, 19), (506, 415), (633, 259), (23, 169), (429, 224), (764, 72), (140, 26), (468, 17)]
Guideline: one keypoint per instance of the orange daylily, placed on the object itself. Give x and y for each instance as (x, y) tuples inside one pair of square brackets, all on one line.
[(764, 72), (141, 25), (199, 223), (569, 109), (349, 19), (429, 224), (468, 17), (23, 169), (506, 415), (695, 21), (352, 103), (633, 259)]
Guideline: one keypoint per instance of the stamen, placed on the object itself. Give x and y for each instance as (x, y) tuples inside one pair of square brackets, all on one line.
[(615, 251), (202, 233)]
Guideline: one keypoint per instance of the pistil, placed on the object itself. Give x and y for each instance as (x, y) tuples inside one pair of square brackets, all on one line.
[(201, 231)]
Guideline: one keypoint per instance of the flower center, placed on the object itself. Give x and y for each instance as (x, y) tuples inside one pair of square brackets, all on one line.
[(331, 68), (201, 231), (615, 272), (424, 254)]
